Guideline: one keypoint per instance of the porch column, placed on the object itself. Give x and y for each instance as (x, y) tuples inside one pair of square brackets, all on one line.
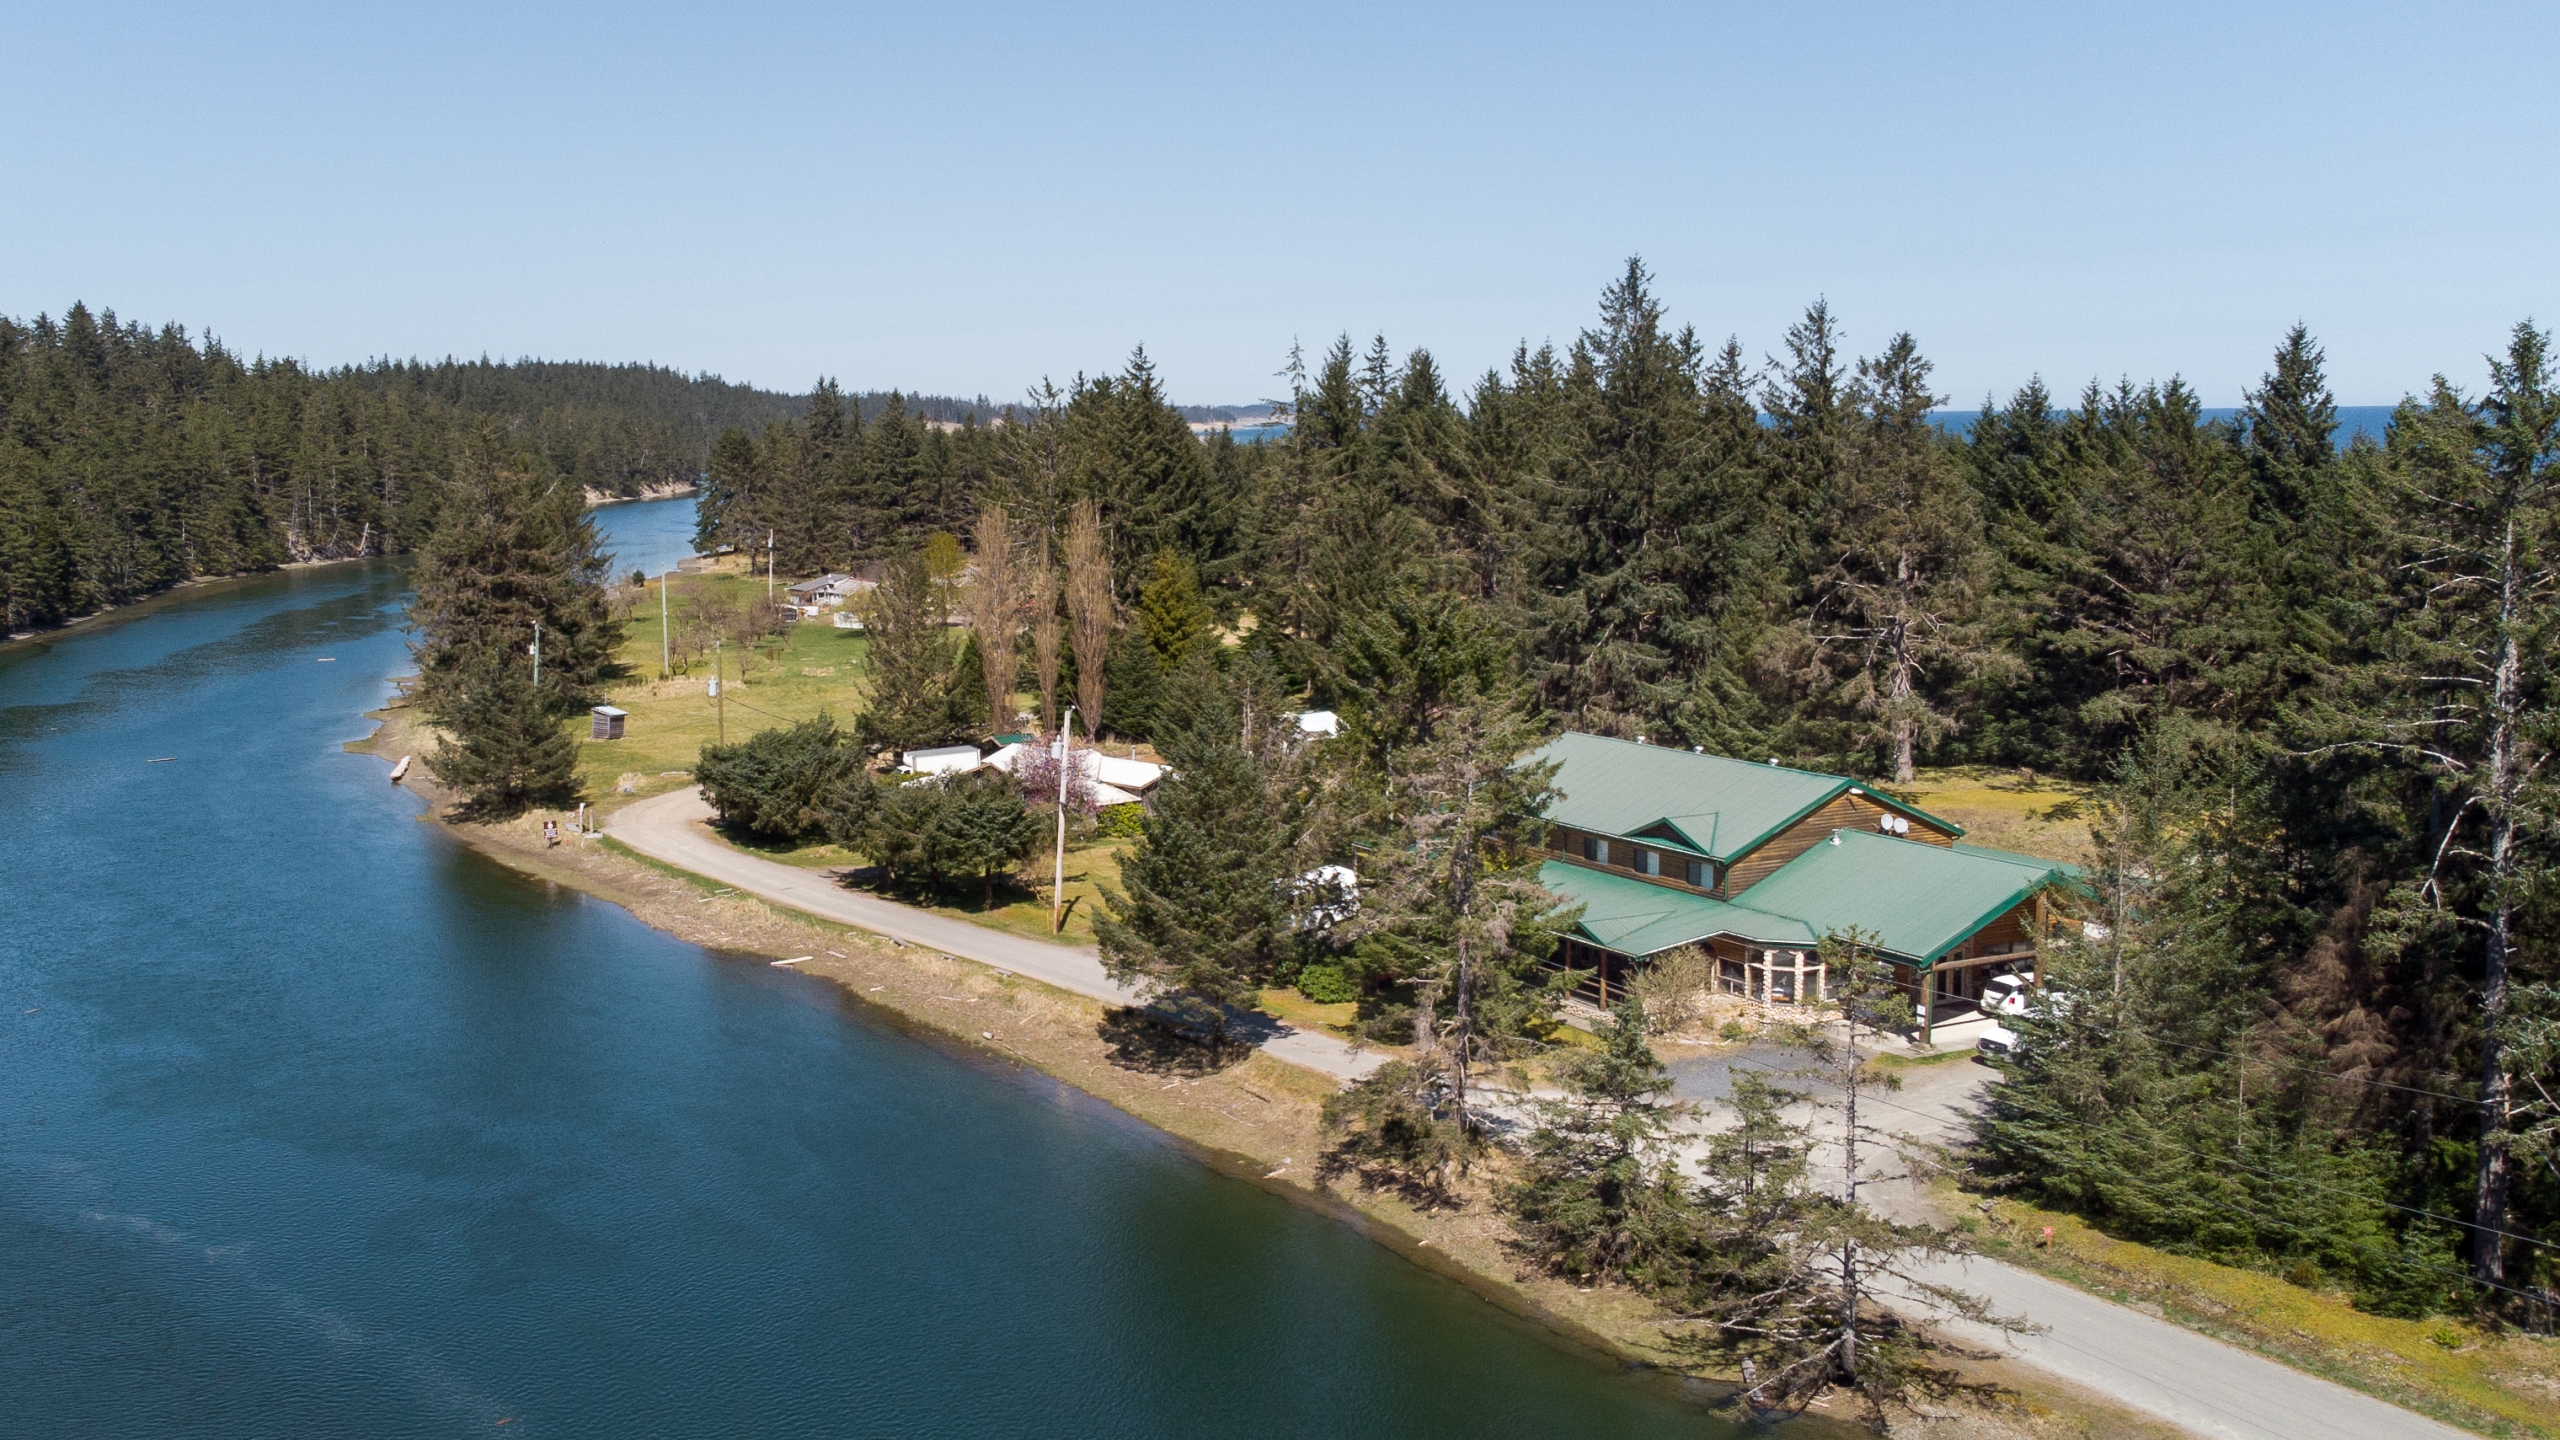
[(2044, 937), (1928, 1004)]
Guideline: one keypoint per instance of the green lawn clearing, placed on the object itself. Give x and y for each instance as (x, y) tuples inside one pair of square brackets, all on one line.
[(2008, 810)]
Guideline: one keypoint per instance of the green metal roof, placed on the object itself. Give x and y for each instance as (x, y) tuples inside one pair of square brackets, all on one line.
[(2062, 868), (1722, 808), (1913, 899), (1635, 918)]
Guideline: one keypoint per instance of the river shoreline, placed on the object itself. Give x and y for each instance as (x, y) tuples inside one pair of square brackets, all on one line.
[(1254, 1120), (194, 587)]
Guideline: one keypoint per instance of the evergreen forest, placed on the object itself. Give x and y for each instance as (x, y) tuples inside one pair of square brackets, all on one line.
[(133, 458), (2310, 684)]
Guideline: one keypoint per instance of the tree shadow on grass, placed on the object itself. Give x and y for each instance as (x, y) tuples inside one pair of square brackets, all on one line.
[(1158, 1042), (967, 895)]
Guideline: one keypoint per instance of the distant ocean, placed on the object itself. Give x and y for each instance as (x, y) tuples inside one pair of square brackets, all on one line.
[(2353, 420), (1247, 434)]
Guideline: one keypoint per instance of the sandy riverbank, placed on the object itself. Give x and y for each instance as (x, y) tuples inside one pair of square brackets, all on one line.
[(1254, 1119)]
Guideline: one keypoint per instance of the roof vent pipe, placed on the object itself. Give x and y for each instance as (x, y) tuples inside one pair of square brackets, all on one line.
[(1835, 837)]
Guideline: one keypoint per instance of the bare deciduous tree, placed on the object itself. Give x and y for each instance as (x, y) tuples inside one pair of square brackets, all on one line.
[(1089, 605), (994, 605), (1048, 631)]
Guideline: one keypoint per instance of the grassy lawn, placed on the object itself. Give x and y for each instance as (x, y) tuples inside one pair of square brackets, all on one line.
[(2493, 1383), (1026, 912), (1306, 1014), (1022, 909), (818, 667), (2008, 810)]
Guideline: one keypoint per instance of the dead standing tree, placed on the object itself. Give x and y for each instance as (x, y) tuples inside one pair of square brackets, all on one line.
[(1089, 606), (994, 605)]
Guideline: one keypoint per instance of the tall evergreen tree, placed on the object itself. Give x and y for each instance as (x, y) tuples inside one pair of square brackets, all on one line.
[(1137, 458), (1635, 572), (909, 661), (1797, 1296), (1451, 909), (504, 749), (1895, 612), (1203, 912), (1171, 617), (2468, 696), (1600, 1195), (514, 550)]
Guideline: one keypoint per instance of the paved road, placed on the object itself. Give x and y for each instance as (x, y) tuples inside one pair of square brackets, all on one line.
[(2151, 1365), (2189, 1380), (669, 828)]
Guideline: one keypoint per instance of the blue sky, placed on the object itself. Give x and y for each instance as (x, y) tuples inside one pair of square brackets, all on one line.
[(966, 199)]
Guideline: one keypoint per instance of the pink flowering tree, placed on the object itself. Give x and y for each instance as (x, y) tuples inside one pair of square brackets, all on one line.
[(1038, 775)]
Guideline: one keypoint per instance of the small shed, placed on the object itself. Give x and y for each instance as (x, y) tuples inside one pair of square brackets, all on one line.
[(606, 722), (942, 760)]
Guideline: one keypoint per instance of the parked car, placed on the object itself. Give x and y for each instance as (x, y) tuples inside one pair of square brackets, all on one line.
[(2007, 994), (1997, 1043)]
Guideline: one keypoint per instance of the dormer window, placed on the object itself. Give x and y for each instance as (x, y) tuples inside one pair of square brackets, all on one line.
[(1595, 849), (1700, 876), (1648, 862)]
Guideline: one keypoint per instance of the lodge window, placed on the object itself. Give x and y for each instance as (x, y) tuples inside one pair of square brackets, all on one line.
[(1648, 862), (1595, 849), (1698, 875)]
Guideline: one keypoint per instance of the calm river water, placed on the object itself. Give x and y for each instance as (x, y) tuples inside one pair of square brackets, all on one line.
[(314, 1123)]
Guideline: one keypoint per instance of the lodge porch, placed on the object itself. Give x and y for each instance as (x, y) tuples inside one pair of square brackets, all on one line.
[(1947, 992)]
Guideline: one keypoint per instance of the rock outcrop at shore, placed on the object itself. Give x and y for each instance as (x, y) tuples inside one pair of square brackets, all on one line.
[(668, 491)]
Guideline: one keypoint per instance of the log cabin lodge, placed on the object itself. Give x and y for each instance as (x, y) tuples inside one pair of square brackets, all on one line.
[(1756, 864)]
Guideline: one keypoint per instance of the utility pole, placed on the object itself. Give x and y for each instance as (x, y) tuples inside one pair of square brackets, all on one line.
[(666, 635), (1058, 884), (537, 654), (718, 699), (768, 567)]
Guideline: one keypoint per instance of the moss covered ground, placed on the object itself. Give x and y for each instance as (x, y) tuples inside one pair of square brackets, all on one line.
[(2008, 809)]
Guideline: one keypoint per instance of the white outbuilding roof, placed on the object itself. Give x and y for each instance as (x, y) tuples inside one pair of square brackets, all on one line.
[(1132, 778), (942, 760)]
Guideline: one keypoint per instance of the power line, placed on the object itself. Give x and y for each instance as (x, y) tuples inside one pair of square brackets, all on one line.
[(769, 715)]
